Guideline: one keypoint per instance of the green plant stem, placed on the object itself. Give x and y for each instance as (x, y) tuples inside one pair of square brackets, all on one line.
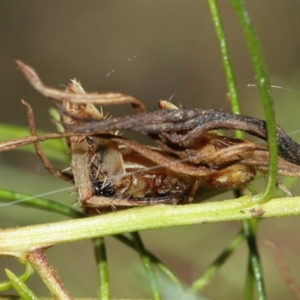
[(16, 241), (24, 292), (248, 294), (249, 229), (102, 268), (221, 38), (226, 61), (206, 277), (161, 266), (11, 197), (147, 265), (27, 274), (235, 108), (49, 205), (264, 87)]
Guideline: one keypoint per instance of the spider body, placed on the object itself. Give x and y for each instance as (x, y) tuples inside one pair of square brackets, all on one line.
[(189, 159)]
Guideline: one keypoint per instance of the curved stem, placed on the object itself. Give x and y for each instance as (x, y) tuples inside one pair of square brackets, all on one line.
[(27, 274), (20, 287), (264, 87)]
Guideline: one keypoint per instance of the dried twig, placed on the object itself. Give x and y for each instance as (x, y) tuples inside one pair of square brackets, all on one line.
[(283, 268), (102, 99), (39, 149)]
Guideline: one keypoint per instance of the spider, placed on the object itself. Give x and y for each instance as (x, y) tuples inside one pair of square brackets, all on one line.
[(189, 163)]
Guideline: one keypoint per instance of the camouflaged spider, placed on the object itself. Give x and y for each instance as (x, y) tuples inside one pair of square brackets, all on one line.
[(188, 162)]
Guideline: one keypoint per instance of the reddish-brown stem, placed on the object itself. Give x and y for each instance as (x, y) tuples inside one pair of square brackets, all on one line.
[(39, 151), (283, 268), (102, 99), (49, 276)]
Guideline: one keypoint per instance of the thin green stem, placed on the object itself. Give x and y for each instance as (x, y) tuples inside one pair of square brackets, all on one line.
[(4, 286), (248, 294), (154, 260), (10, 197), (21, 288), (264, 87), (102, 269), (147, 265), (234, 104), (249, 229), (221, 38), (206, 277)]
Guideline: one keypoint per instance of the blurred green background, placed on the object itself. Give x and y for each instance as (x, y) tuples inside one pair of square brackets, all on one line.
[(151, 50)]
